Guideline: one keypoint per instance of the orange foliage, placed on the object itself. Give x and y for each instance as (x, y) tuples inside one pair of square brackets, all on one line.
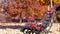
[(31, 11), (31, 7)]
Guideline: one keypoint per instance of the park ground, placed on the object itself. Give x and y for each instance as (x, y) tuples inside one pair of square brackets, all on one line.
[(54, 29)]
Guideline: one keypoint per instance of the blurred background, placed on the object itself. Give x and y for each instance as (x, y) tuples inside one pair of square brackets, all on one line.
[(23, 10)]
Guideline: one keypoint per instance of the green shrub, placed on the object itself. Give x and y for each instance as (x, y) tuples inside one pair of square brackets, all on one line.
[(58, 15)]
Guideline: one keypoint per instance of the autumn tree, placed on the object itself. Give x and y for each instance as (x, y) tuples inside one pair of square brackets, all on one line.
[(29, 7)]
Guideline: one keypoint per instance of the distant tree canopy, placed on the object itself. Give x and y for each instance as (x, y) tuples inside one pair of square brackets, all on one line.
[(29, 7), (56, 1), (44, 2)]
